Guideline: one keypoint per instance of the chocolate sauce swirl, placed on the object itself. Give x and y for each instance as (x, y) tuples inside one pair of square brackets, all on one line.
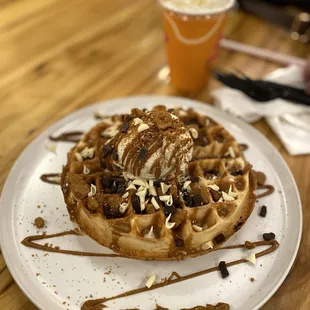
[(71, 136), (97, 304), (51, 178), (269, 190)]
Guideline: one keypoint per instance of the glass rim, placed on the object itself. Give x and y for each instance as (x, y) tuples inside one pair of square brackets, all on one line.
[(230, 4)]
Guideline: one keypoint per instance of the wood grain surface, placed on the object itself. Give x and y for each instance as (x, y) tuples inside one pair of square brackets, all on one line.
[(57, 56)]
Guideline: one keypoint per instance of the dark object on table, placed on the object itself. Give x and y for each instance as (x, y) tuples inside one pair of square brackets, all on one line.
[(263, 91), (297, 24)]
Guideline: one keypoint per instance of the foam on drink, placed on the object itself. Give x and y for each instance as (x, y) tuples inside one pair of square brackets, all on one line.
[(198, 7)]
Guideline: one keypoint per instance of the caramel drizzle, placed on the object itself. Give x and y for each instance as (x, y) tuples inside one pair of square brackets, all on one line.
[(269, 191), (97, 304), (50, 178), (71, 136), (29, 242)]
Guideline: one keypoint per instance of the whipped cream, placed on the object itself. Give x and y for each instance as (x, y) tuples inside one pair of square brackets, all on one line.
[(197, 7), (156, 152)]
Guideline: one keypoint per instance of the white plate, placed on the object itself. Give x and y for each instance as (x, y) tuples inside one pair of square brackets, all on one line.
[(60, 276)]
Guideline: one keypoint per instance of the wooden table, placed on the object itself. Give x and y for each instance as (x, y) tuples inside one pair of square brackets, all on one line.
[(57, 56)]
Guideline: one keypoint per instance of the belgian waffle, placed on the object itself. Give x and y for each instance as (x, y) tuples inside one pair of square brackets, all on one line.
[(208, 204)]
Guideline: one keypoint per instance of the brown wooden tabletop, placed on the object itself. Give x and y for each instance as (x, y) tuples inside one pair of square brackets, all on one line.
[(57, 56)]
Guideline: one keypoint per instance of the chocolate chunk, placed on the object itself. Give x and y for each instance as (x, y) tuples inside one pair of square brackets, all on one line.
[(263, 211), (157, 183), (103, 164), (202, 141), (219, 238), (195, 179), (136, 204), (179, 243), (127, 118), (236, 172), (169, 210), (121, 190), (143, 153), (170, 110), (216, 195), (223, 269), (188, 200), (119, 181), (197, 199), (111, 213), (269, 236), (107, 183), (124, 127), (144, 110), (115, 156), (107, 150)]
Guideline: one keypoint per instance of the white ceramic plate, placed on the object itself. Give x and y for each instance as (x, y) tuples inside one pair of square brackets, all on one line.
[(57, 281)]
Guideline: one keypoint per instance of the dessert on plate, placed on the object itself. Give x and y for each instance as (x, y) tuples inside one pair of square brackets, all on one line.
[(158, 185)]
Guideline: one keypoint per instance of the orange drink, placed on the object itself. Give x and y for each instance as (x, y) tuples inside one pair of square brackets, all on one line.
[(193, 29)]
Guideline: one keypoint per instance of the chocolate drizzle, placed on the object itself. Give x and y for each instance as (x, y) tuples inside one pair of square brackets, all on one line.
[(71, 136), (269, 190), (51, 178), (29, 242), (97, 304)]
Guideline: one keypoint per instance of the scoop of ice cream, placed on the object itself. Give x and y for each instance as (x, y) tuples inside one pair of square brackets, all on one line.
[(152, 145)]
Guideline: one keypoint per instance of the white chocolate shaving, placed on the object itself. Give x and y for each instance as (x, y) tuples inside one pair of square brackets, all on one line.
[(88, 152), (231, 152), (214, 187), (78, 156), (231, 193), (93, 190), (130, 186), (193, 132), (125, 195), (51, 147), (123, 207), (137, 121), (143, 127), (208, 245), (86, 170), (227, 197), (150, 234), (197, 228), (152, 189), (164, 187), (251, 258), (186, 184), (174, 116), (155, 203), (151, 280), (168, 224)]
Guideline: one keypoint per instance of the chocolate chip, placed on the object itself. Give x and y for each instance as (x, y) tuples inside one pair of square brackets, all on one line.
[(136, 204), (115, 156), (195, 179), (263, 211), (124, 127), (170, 110), (169, 210), (219, 238), (223, 269), (269, 236), (106, 183), (179, 243), (197, 199), (107, 150), (143, 153)]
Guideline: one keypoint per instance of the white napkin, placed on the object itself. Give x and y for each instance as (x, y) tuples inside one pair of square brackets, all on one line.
[(289, 121)]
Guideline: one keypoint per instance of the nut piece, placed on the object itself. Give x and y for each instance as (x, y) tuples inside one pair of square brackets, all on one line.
[(151, 280), (39, 222)]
